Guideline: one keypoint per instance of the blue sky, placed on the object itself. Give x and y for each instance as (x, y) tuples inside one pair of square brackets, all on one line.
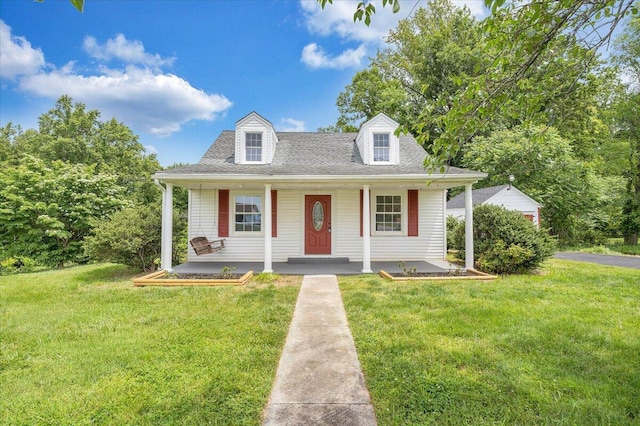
[(179, 72)]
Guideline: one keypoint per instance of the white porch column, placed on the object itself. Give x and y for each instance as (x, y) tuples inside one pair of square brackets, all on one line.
[(366, 231), (266, 220), (166, 248), (468, 227)]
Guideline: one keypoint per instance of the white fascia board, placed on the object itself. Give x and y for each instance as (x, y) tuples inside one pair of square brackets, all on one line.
[(439, 178)]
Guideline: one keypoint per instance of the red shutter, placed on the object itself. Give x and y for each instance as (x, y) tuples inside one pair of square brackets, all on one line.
[(361, 207), (274, 213), (223, 213), (412, 215)]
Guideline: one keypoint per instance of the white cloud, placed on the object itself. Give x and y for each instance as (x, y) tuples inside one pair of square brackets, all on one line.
[(150, 149), (337, 18), (129, 51), (17, 57), (315, 57), (139, 94), (291, 125), (154, 103)]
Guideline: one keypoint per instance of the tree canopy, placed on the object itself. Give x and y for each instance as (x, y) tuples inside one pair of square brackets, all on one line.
[(58, 181)]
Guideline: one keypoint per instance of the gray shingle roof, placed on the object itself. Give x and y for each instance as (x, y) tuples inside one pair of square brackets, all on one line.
[(478, 196), (308, 153)]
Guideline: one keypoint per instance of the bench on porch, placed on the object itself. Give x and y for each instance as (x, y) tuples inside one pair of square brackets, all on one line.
[(202, 245)]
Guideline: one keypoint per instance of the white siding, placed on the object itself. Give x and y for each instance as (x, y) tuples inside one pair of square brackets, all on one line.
[(288, 242), (457, 213), (255, 124), (431, 233), (346, 225), (513, 199), (378, 124), (347, 242), (202, 220)]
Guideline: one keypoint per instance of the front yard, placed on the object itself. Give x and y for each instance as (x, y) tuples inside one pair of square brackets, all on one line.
[(82, 345), (559, 348)]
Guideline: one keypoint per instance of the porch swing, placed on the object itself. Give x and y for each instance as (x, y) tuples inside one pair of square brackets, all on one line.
[(201, 244)]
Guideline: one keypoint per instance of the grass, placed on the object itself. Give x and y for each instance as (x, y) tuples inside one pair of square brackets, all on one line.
[(614, 246), (561, 347), (83, 346)]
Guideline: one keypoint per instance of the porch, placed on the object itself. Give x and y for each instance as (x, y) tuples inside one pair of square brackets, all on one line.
[(340, 266)]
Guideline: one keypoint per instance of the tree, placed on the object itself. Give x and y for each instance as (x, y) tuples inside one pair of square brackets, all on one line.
[(431, 57), (522, 39), (46, 209), (71, 133), (627, 125), (369, 94), (78, 4), (546, 169)]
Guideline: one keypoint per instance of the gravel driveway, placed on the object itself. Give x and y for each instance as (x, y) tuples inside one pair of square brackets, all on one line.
[(602, 259)]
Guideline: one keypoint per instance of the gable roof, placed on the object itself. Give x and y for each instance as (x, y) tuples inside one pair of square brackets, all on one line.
[(478, 196), (481, 195), (309, 154)]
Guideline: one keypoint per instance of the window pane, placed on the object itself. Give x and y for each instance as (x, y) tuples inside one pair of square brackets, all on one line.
[(248, 215), (380, 147), (253, 146), (388, 213)]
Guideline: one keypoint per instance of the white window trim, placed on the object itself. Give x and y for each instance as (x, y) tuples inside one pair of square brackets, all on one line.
[(244, 146), (232, 213), (403, 213), (390, 148)]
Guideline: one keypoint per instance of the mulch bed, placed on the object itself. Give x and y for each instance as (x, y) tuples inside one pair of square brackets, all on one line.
[(431, 274), (208, 276)]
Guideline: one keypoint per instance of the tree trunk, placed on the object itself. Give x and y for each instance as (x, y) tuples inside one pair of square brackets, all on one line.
[(631, 239)]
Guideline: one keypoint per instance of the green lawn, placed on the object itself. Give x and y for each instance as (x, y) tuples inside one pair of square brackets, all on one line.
[(615, 246), (83, 346), (562, 347)]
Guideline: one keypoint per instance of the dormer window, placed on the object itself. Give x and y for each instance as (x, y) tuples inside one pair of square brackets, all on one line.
[(381, 147), (377, 142), (256, 140), (253, 146)]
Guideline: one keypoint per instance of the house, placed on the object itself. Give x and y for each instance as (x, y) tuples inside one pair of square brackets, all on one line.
[(273, 196), (507, 196)]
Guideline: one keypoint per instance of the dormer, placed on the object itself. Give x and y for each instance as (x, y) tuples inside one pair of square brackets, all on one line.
[(377, 141), (255, 140)]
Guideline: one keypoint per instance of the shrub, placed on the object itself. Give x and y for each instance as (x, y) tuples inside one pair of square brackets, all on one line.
[(505, 242), (452, 224), (131, 236), (13, 265)]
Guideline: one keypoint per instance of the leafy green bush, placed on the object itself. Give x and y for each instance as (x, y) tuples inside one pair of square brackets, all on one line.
[(452, 224), (131, 237), (13, 265), (505, 242)]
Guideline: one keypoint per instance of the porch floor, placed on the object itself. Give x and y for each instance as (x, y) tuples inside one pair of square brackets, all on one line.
[(312, 267)]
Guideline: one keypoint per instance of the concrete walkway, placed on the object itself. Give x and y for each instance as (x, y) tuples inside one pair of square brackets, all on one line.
[(319, 379)]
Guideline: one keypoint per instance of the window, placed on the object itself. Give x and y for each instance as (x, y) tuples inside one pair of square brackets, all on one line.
[(380, 147), (248, 213), (253, 146), (388, 213)]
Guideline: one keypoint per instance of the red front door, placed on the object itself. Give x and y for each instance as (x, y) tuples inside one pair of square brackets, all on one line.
[(317, 221)]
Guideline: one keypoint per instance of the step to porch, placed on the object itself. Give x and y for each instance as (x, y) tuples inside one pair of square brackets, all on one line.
[(317, 260)]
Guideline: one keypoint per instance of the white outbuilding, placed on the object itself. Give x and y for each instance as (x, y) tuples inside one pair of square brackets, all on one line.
[(507, 196)]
